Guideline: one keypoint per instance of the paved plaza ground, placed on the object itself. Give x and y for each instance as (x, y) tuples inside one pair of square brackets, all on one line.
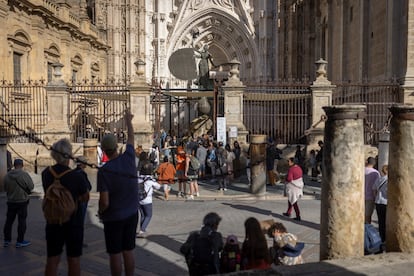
[(158, 253)]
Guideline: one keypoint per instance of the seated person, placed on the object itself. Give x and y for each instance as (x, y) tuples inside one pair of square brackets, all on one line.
[(286, 250)]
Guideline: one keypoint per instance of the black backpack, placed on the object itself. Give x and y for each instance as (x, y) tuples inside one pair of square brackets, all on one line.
[(142, 193), (152, 157), (199, 254)]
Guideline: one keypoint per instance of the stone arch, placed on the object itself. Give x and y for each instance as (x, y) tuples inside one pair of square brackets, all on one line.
[(52, 53), (20, 41), (225, 35)]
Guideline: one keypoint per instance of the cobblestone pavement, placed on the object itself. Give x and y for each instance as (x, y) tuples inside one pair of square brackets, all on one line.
[(158, 254)]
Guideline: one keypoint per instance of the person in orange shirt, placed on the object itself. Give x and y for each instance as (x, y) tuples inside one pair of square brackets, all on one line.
[(166, 173), (180, 161)]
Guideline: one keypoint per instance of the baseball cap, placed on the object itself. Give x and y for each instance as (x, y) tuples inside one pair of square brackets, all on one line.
[(18, 162), (109, 142)]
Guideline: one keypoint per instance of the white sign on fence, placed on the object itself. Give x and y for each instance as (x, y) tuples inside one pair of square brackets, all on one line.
[(233, 132), (221, 130)]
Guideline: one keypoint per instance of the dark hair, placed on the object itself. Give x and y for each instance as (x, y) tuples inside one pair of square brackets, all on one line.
[(371, 161), (211, 219), (255, 244), (276, 226), (146, 169), (165, 159), (227, 147), (292, 159), (320, 142)]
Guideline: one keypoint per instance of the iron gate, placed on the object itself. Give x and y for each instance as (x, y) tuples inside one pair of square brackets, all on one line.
[(281, 111), (97, 109)]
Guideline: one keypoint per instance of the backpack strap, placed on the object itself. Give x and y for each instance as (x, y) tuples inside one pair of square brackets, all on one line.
[(58, 176)]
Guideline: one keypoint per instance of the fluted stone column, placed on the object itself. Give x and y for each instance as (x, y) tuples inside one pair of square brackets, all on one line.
[(342, 200), (400, 207), (258, 164)]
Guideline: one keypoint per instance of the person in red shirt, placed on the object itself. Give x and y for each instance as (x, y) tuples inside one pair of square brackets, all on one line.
[(166, 173), (294, 188), (180, 167)]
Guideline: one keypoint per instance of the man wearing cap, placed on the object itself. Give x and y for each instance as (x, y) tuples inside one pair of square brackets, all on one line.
[(118, 201), (18, 185)]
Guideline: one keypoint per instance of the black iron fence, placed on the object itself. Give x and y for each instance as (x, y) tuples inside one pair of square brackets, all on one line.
[(23, 104), (281, 111), (377, 97), (98, 108)]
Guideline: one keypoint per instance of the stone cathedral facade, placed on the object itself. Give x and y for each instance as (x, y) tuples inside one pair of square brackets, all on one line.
[(273, 40)]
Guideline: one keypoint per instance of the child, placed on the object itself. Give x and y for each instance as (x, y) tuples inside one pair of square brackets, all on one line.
[(230, 256), (286, 250)]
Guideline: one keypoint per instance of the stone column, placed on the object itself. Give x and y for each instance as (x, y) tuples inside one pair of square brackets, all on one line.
[(90, 152), (233, 90), (383, 149), (140, 94), (400, 207), (342, 199), (258, 164), (3, 161), (321, 96), (57, 126)]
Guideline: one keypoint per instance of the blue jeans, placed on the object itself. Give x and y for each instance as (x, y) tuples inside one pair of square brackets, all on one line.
[(145, 212), (14, 209)]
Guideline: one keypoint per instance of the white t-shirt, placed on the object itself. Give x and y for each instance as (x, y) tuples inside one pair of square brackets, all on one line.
[(149, 186)]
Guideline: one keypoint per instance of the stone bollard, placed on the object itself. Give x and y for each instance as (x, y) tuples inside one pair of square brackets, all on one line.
[(90, 152), (258, 164), (3, 161), (342, 199), (400, 206)]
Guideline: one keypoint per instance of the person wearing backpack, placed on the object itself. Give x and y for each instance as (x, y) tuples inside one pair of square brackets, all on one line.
[(145, 203), (166, 174), (64, 233), (118, 201), (230, 260), (202, 248), (192, 165)]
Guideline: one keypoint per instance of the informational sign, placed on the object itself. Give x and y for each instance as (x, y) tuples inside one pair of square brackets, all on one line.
[(221, 130), (233, 132)]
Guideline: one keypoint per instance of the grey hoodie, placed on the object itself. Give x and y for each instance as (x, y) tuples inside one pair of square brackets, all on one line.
[(14, 192)]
